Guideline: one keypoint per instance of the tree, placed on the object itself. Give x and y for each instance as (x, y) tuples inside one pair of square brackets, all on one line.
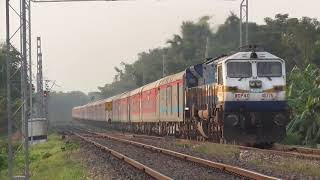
[(14, 57)]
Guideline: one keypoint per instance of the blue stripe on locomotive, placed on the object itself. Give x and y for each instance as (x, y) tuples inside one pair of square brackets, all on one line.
[(259, 106)]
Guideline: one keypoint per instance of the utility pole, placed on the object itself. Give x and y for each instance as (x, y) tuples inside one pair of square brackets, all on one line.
[(143, 79), (8, 91), (26, 110), (30, 68), (163, 65), (46, 100), (40, 98), (244, 13), (206, 54)]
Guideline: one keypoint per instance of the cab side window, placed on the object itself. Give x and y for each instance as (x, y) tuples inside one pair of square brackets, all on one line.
[(220, 79)]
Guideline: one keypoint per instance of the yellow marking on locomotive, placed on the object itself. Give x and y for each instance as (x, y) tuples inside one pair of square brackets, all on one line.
[(234, 89)]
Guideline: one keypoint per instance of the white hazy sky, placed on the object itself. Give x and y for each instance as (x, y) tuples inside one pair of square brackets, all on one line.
[(82, 42)]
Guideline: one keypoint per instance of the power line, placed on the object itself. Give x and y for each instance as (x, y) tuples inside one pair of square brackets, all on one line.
[(63, 1)]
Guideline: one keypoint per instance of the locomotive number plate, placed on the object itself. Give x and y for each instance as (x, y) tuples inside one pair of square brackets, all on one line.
[(241, 96), (268, 96)]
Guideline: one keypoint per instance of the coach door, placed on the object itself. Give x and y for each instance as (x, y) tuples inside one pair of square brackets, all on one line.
[(158, 103), (169, 101), (128, 108)]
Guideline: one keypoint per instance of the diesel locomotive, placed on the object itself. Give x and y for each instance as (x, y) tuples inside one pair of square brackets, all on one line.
[(238, 98)]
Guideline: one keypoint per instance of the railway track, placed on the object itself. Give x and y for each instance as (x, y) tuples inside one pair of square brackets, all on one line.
[(183, 161), (295, 149), (151, 172), (283, 150), (297, 152), (278, 149)]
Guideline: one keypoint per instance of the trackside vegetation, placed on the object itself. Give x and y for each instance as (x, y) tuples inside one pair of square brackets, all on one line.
[(297, 40), (51, 160), (304, 99)]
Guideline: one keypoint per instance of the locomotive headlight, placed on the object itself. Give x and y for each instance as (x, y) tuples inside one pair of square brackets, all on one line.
[(255, 84), (252, 84), (258, 84)]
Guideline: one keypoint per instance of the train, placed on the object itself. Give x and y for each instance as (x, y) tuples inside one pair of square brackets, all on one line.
[(237, 98)]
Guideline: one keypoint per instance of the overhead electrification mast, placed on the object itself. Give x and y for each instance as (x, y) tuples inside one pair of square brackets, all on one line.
[(244, 13)]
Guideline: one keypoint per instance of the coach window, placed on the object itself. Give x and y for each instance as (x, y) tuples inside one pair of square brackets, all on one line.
[(220, 78)]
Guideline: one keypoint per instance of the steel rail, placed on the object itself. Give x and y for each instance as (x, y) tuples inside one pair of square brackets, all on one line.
[(303, 150), (147, 137), (153, 173), (224, 167), (304, 153)]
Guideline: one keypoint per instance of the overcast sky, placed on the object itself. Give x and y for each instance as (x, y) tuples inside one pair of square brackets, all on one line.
[(82, 42)]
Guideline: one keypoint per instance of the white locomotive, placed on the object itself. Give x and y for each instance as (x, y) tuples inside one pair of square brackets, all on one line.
[(243, 101), (236, 98)]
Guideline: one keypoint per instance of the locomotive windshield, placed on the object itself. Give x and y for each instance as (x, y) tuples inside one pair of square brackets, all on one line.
[(239, 69), (269, 69)]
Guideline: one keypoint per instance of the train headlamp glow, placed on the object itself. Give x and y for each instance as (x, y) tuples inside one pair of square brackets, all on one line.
[(252, 84), (258, 84), (255, 84)]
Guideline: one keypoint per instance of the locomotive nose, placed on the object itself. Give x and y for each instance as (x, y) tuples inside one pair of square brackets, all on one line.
[(255, 84)]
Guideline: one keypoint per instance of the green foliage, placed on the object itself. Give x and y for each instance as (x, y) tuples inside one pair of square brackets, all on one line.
[(70, 146), (304, 99), (48, 161), (15, 93), (292, 139), (295, 40), (3, 155)]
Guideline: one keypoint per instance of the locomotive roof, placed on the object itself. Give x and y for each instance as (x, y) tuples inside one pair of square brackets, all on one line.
[(262, 55)]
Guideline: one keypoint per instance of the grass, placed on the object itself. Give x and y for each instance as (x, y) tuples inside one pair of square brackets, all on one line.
[(52, 160), (297, 166), (229, 151), (226, 151), (218, 150)]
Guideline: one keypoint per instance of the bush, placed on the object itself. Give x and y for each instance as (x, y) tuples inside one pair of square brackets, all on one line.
[(292, 139), (304, 100)]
